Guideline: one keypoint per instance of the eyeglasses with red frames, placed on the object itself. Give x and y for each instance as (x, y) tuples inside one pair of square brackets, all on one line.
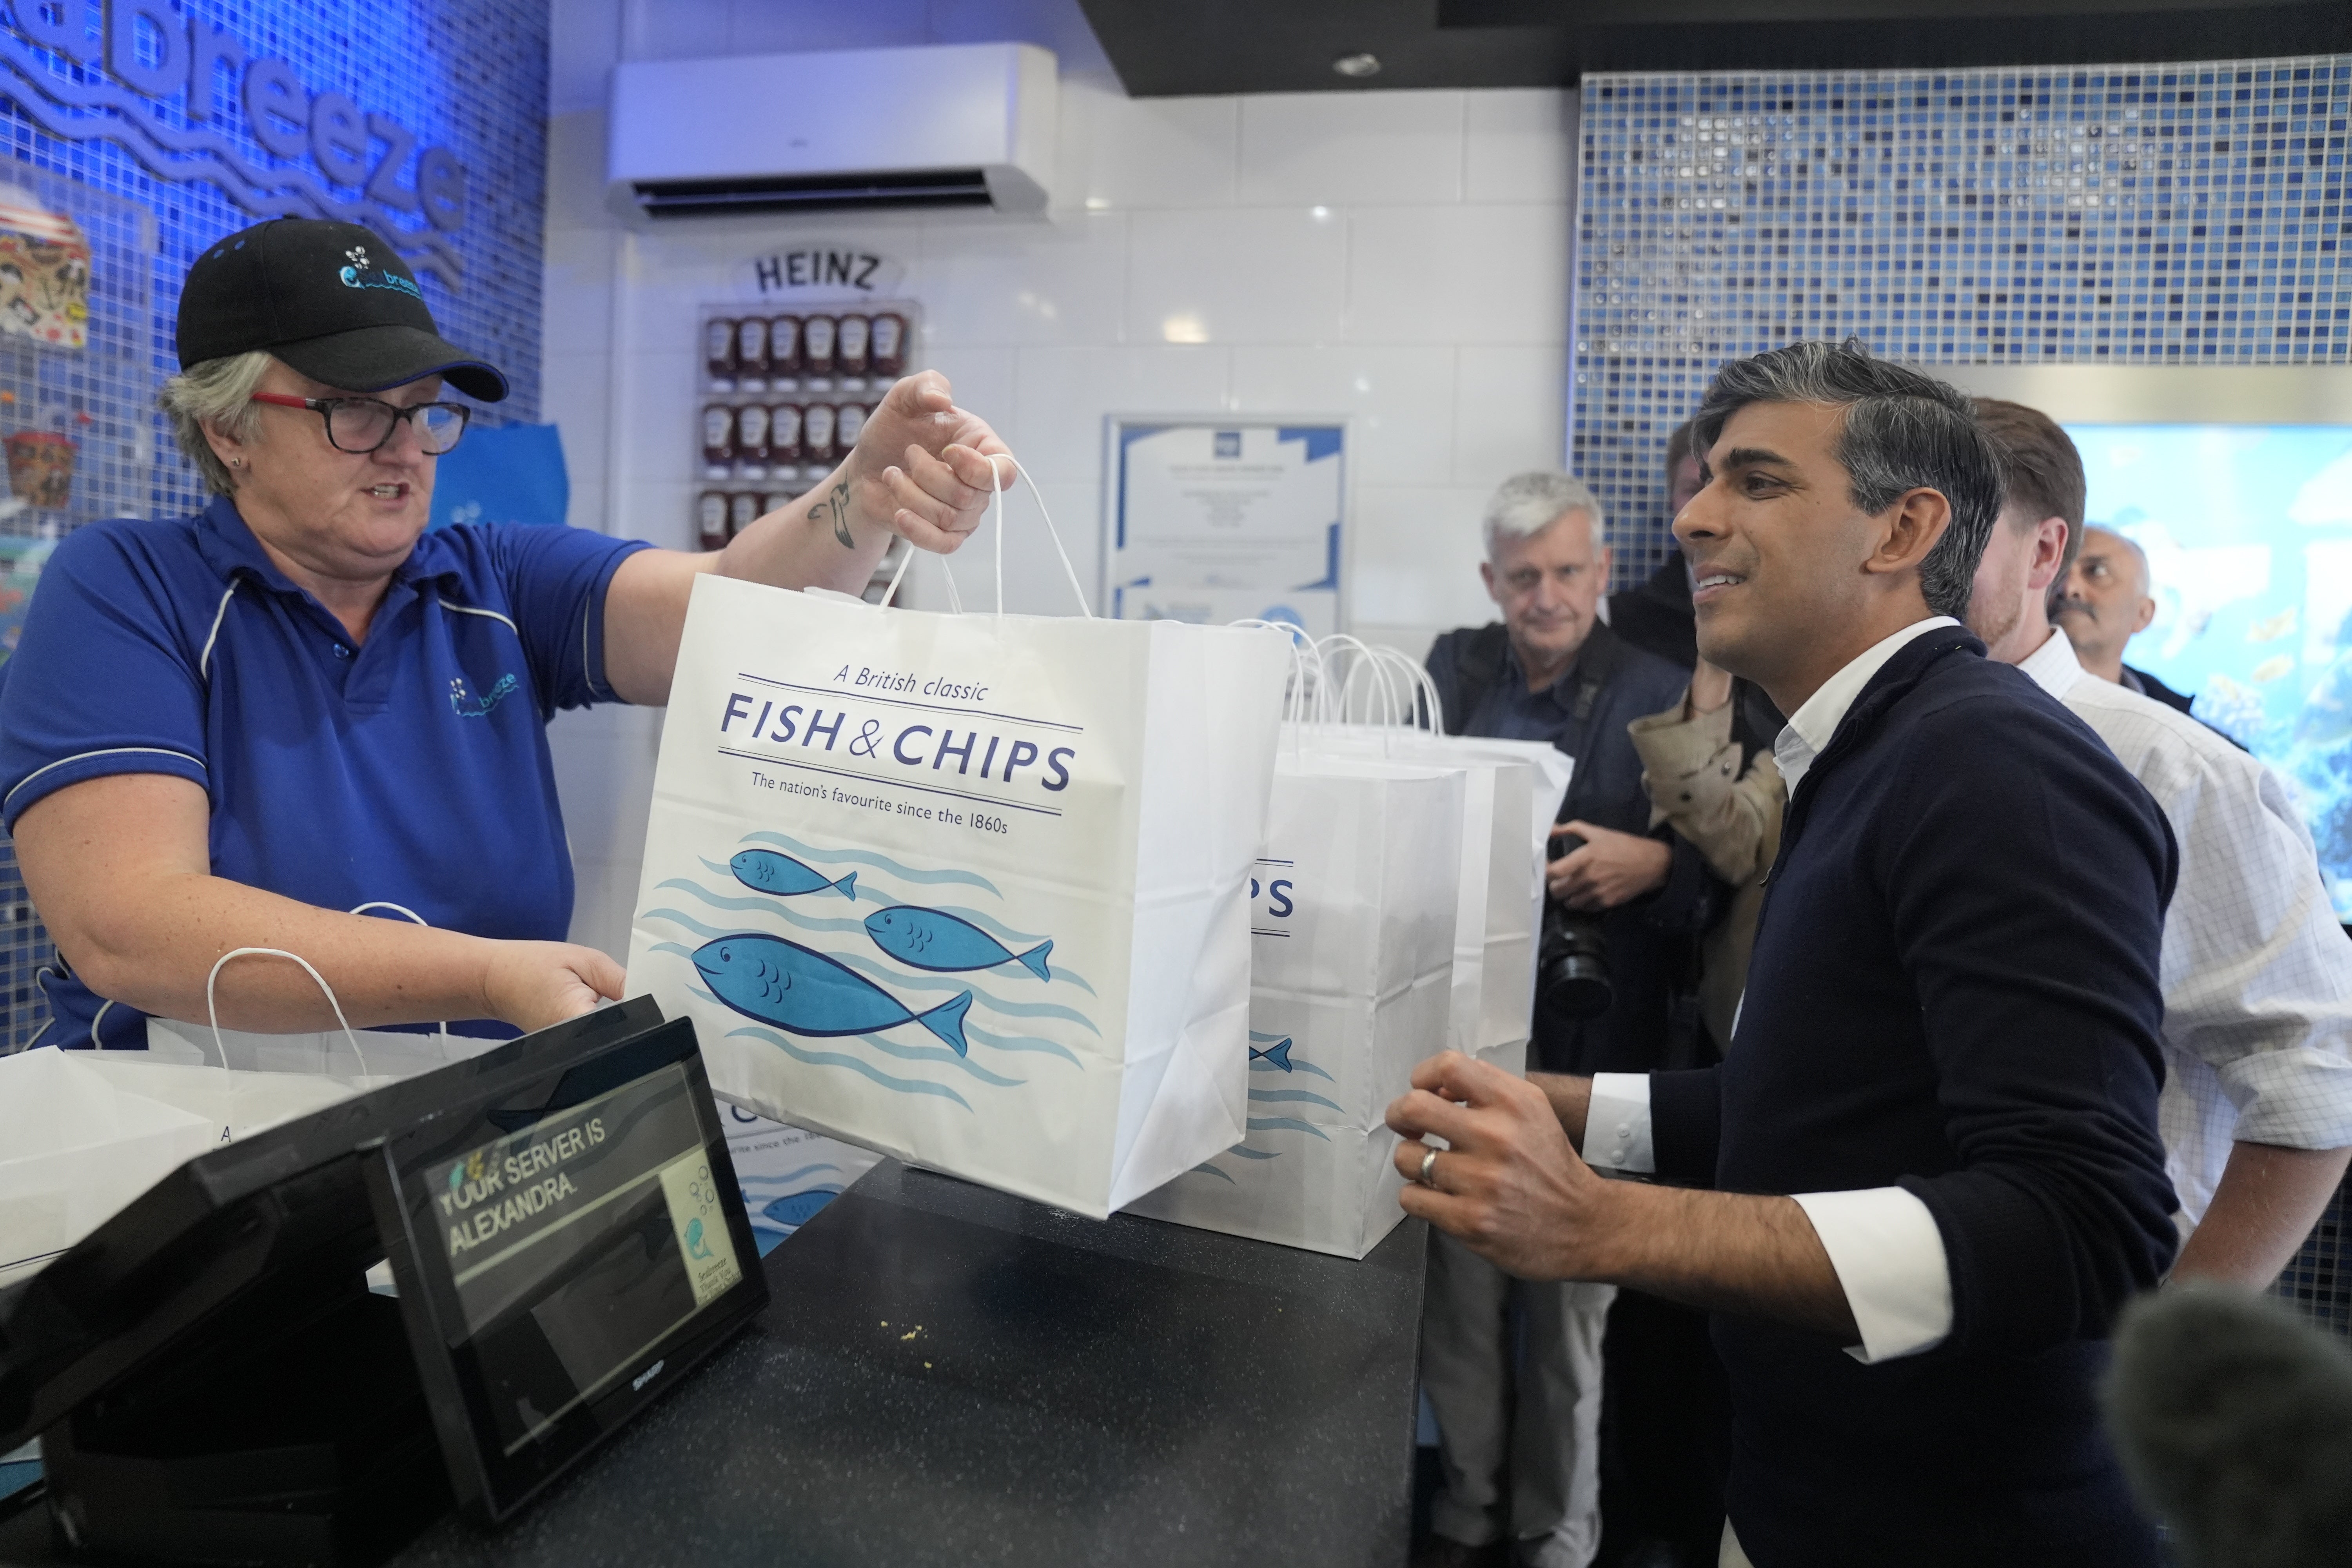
[(363, 425)]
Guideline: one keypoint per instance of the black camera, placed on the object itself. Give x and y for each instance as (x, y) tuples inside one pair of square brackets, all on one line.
[(1573, 961)]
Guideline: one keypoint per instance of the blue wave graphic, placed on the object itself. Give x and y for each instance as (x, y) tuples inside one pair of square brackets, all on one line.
[(764, 905), (1020, 1042), (835, 1060), (940, 1054), (1246, 1152), (1258, 1038), (1271, 1123), (1012, 1009), (1298, 1064), (1308, 1096), (677, 917), (1212, 1171), (671, 947), (864, 965), (879, 862)]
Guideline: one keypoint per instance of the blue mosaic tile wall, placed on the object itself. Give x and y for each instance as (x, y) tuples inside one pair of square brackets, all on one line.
[(2172, 215), (153, 179)]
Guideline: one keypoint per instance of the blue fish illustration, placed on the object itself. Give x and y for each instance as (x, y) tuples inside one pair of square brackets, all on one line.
[(1279, 1055), (937, 940), (803, 992), (797, 1209), (770, 872)]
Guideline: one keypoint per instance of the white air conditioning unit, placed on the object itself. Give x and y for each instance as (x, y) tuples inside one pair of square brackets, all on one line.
[(945, 125)]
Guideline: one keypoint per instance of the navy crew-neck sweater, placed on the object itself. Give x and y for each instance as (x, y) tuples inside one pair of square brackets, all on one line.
[(1954, 989)]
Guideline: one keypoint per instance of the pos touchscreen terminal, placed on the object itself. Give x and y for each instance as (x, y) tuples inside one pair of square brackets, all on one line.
[(213, 1380), (565, 1246)]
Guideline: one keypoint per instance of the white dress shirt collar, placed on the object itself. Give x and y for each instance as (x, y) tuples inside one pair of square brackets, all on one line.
[(2054, 666), (1809, 729)]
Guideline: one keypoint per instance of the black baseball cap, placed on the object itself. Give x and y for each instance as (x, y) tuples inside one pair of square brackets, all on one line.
[(331, 300)]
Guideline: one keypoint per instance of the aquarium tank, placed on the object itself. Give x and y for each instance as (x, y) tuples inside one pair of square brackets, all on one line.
[(2248, 532)]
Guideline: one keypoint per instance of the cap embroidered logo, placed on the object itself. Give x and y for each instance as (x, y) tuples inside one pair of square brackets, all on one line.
[(360, 274)]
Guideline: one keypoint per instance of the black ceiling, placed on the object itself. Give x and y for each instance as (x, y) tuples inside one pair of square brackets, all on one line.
[(1164, 48)]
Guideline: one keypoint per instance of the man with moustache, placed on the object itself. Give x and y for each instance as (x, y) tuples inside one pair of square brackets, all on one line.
[(1948, 1055), (2257, 1104), (2102, 603)]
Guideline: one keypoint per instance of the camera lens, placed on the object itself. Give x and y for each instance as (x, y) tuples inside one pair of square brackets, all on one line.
[(1572, 966)]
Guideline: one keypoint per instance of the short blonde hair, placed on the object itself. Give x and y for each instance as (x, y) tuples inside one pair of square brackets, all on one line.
[(220, 392)]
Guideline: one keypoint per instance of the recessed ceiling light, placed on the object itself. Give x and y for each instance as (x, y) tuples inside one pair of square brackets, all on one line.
[(1358, 66)]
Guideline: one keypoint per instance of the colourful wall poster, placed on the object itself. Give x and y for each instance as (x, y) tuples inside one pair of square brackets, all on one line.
[(1222, 519), (44, 272), (2248, 533)]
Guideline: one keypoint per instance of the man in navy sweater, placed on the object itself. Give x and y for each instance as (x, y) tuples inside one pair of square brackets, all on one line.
[(1948, 1054)]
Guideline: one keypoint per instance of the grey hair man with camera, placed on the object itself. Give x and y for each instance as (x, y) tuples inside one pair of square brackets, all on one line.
[(1520, 1434)]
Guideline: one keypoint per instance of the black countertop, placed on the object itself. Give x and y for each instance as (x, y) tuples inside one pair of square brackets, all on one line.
[(951, 1375)]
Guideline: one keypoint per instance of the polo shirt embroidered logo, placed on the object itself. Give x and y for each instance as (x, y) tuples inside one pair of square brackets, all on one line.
[(467, 707), (364, 274)]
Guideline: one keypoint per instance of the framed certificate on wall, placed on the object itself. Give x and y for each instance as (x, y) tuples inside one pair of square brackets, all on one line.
[(1216, 518)]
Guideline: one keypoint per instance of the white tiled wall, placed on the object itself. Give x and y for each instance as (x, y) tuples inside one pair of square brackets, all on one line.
[(1398, 258)]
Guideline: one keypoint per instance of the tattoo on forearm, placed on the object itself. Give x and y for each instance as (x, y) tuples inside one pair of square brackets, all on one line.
[(839, 503)]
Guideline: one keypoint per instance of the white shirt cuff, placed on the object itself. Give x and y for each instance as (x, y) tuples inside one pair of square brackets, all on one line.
[(1617, 1124), (1890, 1261)]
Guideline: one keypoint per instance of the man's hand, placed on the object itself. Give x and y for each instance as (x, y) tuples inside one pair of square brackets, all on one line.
[(1609, 869), (533, 984), (1508, 1185), (920, 469)]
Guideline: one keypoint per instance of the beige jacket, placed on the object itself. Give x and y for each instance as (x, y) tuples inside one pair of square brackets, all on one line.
[(1691, 768)]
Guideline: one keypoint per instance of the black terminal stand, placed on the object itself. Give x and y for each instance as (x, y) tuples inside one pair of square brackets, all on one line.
[(214, 1382), (296, 1435)]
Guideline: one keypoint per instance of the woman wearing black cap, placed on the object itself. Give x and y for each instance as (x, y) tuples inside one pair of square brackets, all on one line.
[(226, 731)]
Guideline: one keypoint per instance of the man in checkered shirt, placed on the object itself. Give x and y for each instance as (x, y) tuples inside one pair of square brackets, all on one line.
[(2256, 1110)]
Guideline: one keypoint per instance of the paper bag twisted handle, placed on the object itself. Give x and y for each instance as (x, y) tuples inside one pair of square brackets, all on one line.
[(996, 505), (212, 1008)]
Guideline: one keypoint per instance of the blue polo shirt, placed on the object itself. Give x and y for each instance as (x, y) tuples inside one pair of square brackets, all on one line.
[(411, 769)]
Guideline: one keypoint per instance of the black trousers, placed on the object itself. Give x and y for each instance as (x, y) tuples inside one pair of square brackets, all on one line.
[(1666, 1433)]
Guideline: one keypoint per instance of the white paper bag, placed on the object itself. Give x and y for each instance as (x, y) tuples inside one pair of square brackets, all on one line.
[(1515, 788), (1513, 933), (969, 890), (1499, 895), (385, 1054), (75, 1148), (1352, 941)]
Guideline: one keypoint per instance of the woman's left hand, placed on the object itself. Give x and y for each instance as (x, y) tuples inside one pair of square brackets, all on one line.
[(920, 469)]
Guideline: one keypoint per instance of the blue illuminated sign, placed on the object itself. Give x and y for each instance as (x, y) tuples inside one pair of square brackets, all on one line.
[(149, 50)]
